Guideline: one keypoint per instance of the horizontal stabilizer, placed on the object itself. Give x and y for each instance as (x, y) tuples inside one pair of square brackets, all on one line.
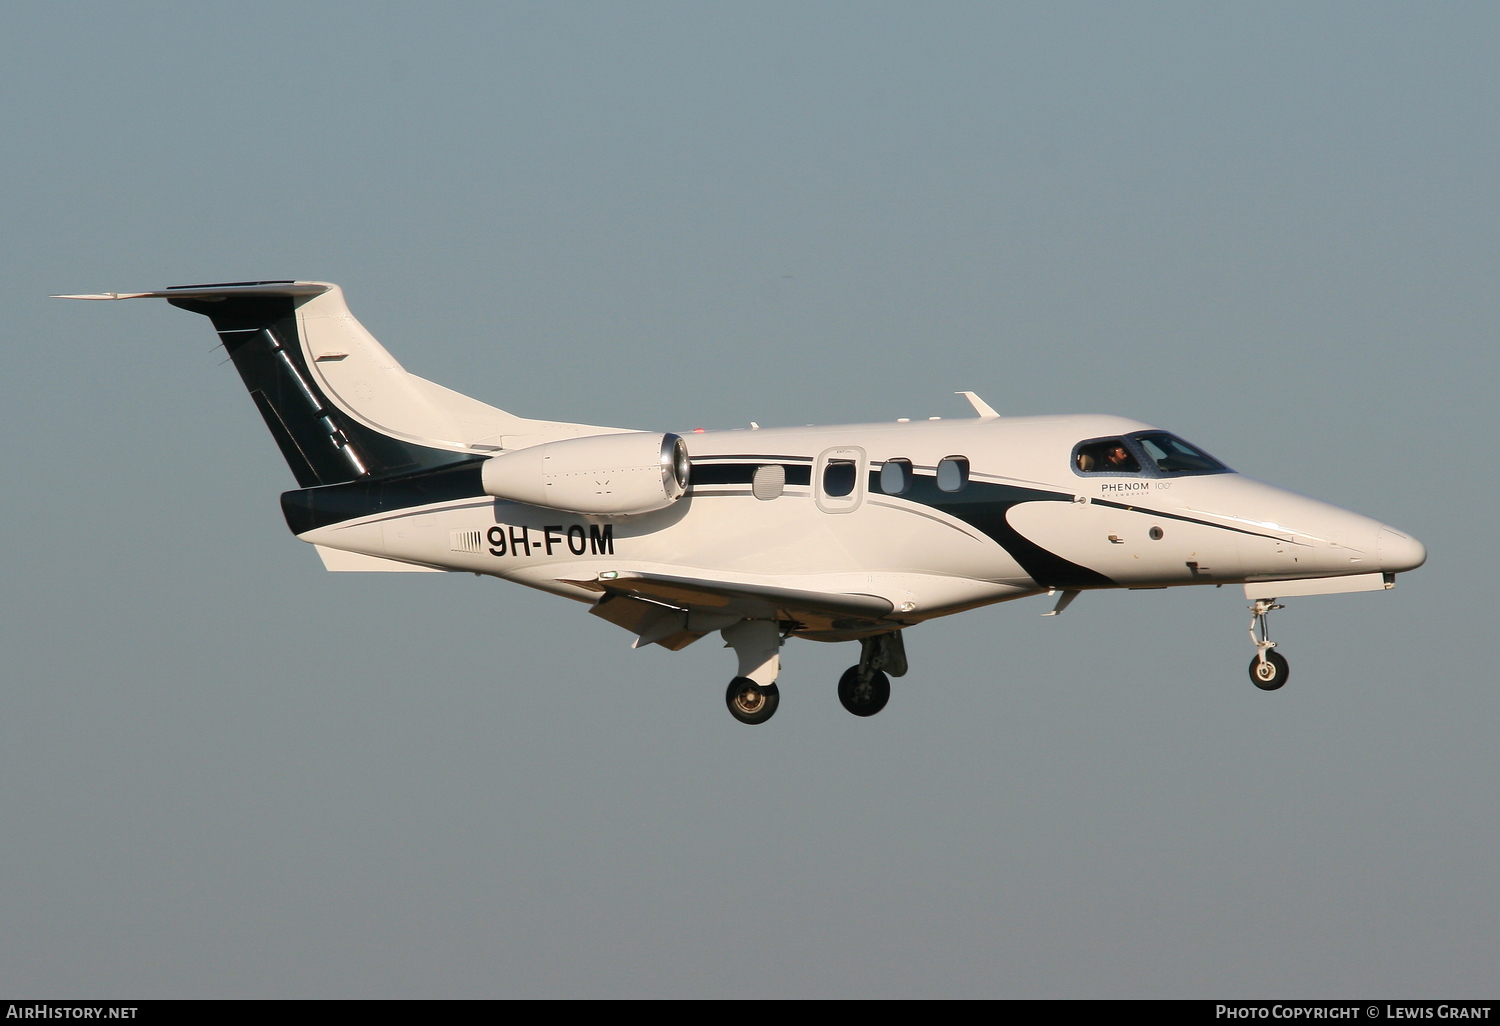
[(233, 288)]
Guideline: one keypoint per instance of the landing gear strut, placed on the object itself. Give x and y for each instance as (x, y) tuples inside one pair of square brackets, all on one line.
[(864, 689), (1268, 670), (752, 696)]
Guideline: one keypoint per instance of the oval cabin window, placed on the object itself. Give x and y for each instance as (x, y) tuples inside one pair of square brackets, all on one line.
[(953, 474), (895, 477)]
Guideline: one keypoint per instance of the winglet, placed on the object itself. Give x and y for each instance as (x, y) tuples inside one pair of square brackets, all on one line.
[(985, 411)]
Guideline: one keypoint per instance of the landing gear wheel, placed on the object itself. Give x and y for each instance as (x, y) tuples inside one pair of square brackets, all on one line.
[(750, 702), (1271, 674), (864, 698)]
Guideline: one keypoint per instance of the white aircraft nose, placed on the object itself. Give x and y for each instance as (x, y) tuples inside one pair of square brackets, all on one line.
[(1398, 552)]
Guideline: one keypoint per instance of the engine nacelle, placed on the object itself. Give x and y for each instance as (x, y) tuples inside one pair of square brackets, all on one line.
[(605, 475)]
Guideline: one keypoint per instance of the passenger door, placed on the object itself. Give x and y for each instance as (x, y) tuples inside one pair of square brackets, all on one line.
[(839, 477)]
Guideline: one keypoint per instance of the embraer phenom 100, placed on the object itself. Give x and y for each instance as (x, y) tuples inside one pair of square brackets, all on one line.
[(848, 533)]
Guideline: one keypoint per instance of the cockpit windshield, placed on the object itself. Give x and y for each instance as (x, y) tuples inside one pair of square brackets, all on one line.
[(1174, 456), (1106, 456)]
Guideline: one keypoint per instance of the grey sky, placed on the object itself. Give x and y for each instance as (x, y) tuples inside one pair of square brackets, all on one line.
[(1269, 227)]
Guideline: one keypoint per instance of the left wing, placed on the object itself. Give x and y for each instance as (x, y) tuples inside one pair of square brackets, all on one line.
[(674, 612)]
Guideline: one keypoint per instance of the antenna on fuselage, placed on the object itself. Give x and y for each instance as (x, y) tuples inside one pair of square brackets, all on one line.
[(984, 409)]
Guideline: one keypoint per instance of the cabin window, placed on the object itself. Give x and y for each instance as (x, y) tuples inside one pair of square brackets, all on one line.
[(895, 477), (952, 474), (1174, 456), (1107, 456), (839, 478)]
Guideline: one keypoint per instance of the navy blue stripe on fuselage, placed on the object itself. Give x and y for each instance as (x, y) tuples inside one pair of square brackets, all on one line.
[(980, 504), (309, 508), (1188, 520), (744, 473), (983, 506)]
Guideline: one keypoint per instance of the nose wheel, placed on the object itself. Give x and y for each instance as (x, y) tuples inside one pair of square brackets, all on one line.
[(1268, 670), (1269, 673)]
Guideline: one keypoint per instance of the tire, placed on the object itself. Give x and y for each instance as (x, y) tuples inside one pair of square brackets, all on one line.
[(868, 700), (751, 703), (1276, 671)]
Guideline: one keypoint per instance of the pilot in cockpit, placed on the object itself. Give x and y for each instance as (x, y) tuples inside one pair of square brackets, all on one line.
[(1106, 456)]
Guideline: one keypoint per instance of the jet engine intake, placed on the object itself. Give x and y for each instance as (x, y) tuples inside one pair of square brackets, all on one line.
[(603, 475)]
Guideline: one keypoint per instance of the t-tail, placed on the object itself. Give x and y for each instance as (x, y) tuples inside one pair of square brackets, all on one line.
[(340, 408)]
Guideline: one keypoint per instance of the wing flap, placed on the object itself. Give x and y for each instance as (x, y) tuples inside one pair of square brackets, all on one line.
[(710, 605)]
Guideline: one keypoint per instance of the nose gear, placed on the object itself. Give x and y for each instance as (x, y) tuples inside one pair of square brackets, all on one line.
[(1268, 670)]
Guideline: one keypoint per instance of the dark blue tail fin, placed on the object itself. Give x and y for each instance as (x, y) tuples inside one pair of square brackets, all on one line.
[(321, 443)]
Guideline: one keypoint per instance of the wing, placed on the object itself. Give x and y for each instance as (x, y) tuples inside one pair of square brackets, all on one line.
[(674, 612)]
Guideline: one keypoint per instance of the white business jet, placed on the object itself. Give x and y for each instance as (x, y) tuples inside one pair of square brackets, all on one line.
[(847, 533)]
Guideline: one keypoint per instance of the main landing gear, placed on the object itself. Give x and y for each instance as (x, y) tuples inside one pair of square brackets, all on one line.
[(1268, 670), (750, 702), (752, 696), (864, 689)]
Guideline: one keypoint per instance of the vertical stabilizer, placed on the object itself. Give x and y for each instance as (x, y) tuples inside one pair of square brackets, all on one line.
[(322, 440), (339, 406)]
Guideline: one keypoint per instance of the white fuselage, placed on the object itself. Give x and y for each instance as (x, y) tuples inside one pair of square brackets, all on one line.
[(1027, 521)]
